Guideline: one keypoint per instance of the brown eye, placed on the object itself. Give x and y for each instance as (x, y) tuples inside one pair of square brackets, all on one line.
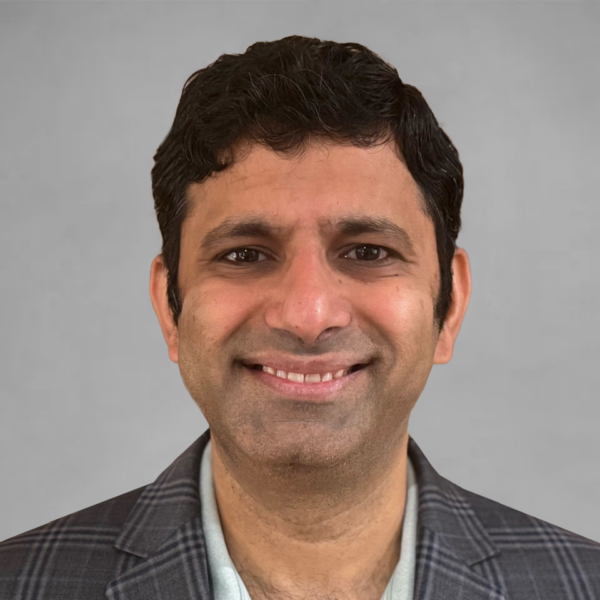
[(369, 253), (246, 255)]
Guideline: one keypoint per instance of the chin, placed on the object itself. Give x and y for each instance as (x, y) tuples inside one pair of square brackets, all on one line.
[(299, 443)]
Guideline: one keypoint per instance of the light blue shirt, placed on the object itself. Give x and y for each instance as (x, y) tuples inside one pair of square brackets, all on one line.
[(227, 583)]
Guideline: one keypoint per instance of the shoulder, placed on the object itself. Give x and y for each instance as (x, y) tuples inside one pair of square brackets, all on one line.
[(53, 560), (534, 553), (509, 526)]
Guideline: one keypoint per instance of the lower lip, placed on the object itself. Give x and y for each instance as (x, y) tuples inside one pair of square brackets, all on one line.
[(315, 392)]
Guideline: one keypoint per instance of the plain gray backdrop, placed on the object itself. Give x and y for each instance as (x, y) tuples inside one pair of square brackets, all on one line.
[(91, 405)]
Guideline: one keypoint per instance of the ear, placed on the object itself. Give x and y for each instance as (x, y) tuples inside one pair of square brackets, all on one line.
[(160, 303), (461, 292)]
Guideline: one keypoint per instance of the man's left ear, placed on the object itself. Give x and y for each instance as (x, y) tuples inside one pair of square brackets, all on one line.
[(461, 292), (160, 303)]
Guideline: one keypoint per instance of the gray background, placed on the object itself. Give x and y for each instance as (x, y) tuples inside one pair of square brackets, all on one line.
[(91, 405)]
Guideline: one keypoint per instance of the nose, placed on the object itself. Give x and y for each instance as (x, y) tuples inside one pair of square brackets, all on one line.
[(309, 299)]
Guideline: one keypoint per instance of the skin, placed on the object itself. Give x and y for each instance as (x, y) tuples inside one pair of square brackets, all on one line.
[(311, 496)]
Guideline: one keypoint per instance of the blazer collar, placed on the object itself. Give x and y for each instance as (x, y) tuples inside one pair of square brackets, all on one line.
[(165, 528), (453, 546), (165, 505), (445, 510)]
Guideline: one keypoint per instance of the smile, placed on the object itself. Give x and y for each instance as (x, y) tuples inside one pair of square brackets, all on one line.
[(310, 378), (295, 387)]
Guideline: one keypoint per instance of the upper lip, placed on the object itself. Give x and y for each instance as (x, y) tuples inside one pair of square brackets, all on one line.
[(307, 367)]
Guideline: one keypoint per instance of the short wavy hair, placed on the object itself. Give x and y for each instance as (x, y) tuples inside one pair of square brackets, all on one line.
[(285, 93)]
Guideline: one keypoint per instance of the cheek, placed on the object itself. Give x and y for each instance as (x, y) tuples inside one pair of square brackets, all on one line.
[(405, 319), (210, 316), (205, 322), (404, 312)]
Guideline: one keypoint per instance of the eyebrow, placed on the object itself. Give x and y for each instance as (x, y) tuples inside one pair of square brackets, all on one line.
[(353, 225), (232, 228), (348, 225)]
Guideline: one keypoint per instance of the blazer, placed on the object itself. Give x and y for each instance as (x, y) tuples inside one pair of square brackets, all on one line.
[(148, 544)]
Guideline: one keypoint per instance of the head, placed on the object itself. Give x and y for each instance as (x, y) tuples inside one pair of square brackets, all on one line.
[(343, 195)]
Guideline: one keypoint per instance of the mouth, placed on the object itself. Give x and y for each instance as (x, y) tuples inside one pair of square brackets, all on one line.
[(295, 386), (307, 379)]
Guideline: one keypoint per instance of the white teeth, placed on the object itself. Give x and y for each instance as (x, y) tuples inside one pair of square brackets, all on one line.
[(301, 378)]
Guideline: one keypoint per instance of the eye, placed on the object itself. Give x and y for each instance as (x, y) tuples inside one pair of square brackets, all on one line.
[(370, 253), (247, 255), (364, 253)]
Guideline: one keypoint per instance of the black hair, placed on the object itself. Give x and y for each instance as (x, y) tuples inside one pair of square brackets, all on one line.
[(285, 93)]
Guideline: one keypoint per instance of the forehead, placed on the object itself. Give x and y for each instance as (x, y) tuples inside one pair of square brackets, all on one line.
[(322, 185)]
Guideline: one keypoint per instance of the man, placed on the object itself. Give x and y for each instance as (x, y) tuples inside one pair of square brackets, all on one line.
[(309, 278)]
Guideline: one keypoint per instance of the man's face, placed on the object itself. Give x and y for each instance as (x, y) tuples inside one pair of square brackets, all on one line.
[(308, 292)]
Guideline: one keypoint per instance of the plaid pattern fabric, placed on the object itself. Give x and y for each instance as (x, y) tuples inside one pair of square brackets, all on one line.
[(148, 544)]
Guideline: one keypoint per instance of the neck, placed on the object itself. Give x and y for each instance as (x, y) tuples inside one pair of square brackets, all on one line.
[(312, 534)]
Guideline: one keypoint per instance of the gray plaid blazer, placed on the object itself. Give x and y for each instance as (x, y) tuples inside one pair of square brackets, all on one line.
[(148, 544)]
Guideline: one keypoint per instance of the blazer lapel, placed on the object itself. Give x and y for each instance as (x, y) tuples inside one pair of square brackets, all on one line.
[(166, 550), (453, 548), (164, 528)]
